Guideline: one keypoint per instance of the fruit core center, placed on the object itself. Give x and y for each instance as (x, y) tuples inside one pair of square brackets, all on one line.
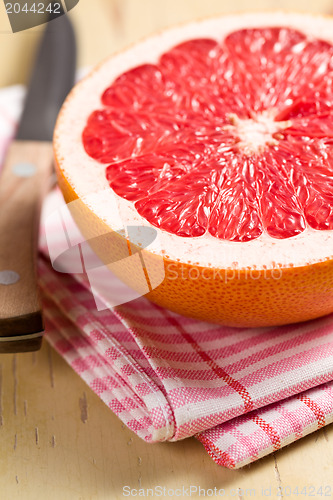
[(253, 134)]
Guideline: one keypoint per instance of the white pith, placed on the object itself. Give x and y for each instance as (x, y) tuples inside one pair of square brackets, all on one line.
[(87, 176), (257, 132)]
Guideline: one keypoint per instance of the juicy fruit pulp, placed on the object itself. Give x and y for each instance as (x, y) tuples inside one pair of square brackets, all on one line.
[(232, 138)]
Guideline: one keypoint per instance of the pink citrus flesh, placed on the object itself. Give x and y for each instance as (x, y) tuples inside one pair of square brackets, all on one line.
[(232, 138)]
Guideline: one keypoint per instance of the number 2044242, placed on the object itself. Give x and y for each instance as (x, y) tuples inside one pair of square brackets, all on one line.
[(295, 491), (36, 8)]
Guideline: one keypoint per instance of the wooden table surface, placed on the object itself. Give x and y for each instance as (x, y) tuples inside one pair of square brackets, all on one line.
[(58, 441)]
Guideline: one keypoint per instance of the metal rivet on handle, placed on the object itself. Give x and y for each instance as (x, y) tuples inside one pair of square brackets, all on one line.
[(8, 277), (24, 169)]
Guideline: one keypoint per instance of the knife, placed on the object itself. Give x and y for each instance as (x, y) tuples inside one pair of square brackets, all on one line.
[(24, 181)]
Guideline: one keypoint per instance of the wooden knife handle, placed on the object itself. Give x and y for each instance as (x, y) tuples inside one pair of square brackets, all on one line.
[(24, 181)]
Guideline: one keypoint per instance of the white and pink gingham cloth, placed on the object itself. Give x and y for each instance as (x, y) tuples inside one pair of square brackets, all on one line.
[(243, 393)]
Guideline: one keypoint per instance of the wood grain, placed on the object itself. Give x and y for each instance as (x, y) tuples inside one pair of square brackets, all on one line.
[(23, 183), (58, 439)]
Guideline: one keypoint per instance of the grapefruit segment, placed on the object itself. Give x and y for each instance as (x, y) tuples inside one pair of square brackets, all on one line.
[(235, 216), (170, 210), (282, 213)]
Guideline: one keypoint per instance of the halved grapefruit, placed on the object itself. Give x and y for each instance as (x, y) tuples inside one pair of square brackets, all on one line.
[(218, 134)]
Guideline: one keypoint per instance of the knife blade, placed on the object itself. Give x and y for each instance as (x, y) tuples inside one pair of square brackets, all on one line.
[(24, 181)]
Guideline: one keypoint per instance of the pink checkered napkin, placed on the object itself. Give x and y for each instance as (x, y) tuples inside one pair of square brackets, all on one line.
[(242, 392)]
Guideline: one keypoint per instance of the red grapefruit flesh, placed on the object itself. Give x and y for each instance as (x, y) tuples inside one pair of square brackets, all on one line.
[(233, 138)]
